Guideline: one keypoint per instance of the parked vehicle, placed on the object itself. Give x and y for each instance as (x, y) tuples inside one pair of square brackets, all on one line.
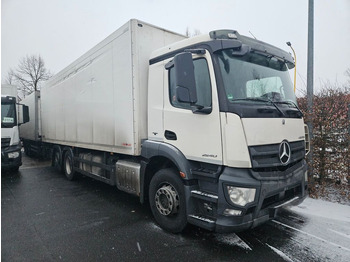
[(207, 129), (12, 116)]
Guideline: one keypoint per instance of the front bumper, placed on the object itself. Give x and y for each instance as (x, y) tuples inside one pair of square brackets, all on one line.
[(7, 162), (274, 190), (272, 194)]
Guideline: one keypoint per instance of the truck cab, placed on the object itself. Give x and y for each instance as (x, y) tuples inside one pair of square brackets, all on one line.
[(12, 115), (225, 103)]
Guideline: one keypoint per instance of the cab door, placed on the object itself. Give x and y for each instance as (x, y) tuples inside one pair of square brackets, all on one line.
[(196, 133)]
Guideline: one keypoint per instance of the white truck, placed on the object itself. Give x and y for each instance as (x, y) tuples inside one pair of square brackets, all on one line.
[(207, 129), (12, 116)]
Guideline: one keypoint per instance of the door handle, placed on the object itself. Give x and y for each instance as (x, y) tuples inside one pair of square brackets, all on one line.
[(170, 135)]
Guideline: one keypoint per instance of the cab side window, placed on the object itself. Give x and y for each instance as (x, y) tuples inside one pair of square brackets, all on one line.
[(203, 85)]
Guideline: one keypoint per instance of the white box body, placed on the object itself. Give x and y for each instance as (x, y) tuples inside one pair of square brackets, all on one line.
[(31, 130), (100, 101)]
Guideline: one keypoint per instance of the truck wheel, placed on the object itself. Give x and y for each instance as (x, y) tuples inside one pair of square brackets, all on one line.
[(27, 151), (15, 169), (167, 200), (68, 166), (56, 158)]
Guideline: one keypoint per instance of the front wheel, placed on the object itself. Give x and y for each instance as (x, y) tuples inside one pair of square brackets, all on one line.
[(167, 200)]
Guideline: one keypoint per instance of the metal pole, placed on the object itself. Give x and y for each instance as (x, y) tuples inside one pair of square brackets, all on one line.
[(310, 77)]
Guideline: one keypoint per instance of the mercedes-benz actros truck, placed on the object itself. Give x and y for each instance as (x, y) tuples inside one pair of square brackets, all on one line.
[(206, 129)]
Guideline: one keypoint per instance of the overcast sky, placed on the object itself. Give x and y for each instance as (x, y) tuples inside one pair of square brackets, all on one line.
[(62, 30)]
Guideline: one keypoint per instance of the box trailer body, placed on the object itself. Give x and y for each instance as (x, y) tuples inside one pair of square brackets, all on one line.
[(12, 116), (100, 101), (206, 129)]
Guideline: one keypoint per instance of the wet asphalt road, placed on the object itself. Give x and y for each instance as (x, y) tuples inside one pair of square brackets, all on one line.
[(45, 217)]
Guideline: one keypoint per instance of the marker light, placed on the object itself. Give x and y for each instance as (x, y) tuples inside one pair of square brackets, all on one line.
[(232, 212)]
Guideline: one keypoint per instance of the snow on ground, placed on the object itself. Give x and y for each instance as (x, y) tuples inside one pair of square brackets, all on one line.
[(280, 253), (233, 240), (321, 208), (334, 193)]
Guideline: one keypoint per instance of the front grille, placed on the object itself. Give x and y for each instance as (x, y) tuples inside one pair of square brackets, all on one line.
[(5, 142), (267, 156)]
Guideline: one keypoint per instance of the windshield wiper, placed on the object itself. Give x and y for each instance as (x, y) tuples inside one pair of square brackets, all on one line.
[(278, 109), (250, 99), (261, 100), (291, 103)]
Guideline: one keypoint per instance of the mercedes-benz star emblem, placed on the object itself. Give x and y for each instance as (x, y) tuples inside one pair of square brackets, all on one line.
[(284, 153)]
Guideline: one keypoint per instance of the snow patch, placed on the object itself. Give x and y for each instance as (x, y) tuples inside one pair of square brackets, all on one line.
[(233, 240), (138, 246), (154, 226), (280, 253), (325, 209), (340, 233), (311, 235)]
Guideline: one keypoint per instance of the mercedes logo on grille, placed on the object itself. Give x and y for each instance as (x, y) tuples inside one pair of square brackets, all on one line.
[(284, 153)]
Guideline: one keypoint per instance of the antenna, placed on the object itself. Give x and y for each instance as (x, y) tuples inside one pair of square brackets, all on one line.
[(252, 34)]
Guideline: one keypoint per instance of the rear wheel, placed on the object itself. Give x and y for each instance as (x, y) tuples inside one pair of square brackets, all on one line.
[(56, 158), (68, 166), (167, 200), (27, 151)]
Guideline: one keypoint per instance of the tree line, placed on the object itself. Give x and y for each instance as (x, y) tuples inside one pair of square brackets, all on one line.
[(331, 136)]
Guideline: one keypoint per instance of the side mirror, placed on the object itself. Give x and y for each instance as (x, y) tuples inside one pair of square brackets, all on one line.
[(184, 78), (183, 94), (23, 114)]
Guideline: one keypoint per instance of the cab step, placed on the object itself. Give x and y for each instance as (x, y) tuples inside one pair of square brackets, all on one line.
[(202, 221), (205, 196)]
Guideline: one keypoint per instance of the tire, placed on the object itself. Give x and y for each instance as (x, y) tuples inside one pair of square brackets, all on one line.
[(15, 169), (167, 200), (68, 166), (56, 159), (27, 151)]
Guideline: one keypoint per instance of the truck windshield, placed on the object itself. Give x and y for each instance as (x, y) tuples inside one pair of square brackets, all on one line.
[(255, 78), (8, 115)]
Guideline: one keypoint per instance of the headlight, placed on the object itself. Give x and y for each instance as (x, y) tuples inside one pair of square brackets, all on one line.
[(13, 155), (241, 196)]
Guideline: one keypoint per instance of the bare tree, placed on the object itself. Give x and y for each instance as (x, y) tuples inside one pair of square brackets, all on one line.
[(195, 32), (347, 73), (29, 74), (188, 33), (9, 79)]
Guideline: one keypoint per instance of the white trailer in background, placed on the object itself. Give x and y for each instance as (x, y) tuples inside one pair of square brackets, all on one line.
[(206, 129)]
